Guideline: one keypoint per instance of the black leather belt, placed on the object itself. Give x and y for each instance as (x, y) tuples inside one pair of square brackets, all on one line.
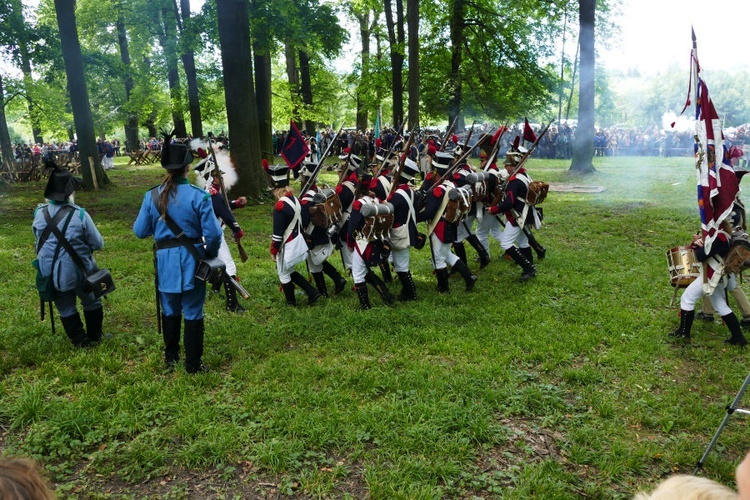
[(173, 242)]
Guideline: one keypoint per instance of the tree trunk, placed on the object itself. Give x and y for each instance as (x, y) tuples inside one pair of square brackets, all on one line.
[(457, 40), (396, 38), (262, 68), (412, 17), (131, 125), (188, 63), (16, 10), (79, 96), (292, 75), (5, 143), (242, 118), (583, 150), (362, 89), (167, 28), (306, 90)]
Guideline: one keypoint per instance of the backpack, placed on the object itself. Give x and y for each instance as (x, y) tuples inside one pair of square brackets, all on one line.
[(537, 192), (738, 256)]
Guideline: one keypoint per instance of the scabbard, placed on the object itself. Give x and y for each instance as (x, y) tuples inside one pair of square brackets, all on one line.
[(158, 297)]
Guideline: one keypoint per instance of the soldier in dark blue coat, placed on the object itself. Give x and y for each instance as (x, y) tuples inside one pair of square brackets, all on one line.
[(404, 234)]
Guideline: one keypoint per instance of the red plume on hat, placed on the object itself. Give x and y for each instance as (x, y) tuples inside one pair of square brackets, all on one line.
[(201, 152), (431, 150), (454, 138), (516, 142), (264, 162), (528, 132), (378, 142), (497, 135)]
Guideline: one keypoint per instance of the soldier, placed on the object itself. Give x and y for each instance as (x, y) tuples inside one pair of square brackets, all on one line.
[(515, 208), (442, 233), (467, 222), (365, 252), (288, 245), (403, 234), (79, 229), (223, 210), (319, 240), (346, 191), (489, 225), (180, 294)]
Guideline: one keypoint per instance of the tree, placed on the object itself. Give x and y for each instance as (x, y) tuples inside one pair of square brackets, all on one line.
[(583, 149), (412, 21), (91, 168), (165, 20), (397, 40), (188, 42), (236, 59), (5, 143)]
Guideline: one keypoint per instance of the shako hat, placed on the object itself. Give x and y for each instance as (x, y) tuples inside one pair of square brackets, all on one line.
[(442, 161), (410, 170), (278, 174)]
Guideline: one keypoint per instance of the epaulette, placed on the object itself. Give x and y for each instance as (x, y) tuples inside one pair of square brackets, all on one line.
[(279, 207), (430, 176), (357, 205), (339, 188), (438, 191), (40, 206)]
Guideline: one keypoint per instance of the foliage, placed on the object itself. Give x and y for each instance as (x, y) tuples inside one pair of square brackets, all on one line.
[(565, 386)]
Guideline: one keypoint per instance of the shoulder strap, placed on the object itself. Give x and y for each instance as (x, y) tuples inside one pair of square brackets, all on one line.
[(296, 221), (62, 240), (174, 227), (53, 222)]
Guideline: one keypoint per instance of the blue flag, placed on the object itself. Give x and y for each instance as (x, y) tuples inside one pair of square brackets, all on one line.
[(294, 149)]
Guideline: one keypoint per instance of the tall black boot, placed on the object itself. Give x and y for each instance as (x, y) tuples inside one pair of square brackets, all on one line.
[(94, 319), (288, 288), (339, 281), (381, 288), (408, 288), (74, 329), (484, 256), (538, 248), (526, 252), (170, 331), (529, 271), (686, 323), (442, 280), (460, 251), (194, 346), (364, 298), (312, 293), (385, 270), (466, 274), (233, 304), (735, 330), (320, 283)]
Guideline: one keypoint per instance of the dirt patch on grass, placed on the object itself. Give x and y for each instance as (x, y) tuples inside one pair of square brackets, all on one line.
[(566, 187)]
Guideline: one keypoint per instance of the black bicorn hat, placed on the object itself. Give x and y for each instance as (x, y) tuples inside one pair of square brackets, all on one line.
[(61, 183), (174, 156)]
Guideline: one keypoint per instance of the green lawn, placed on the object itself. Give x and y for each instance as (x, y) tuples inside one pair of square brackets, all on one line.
[(565, 386)]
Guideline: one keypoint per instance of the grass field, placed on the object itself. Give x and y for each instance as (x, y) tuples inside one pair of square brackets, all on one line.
[(563, 387)]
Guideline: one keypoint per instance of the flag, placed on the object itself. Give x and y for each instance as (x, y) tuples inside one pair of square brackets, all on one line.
[(717, 183), (376, 132), (528, 132), (294, 149)]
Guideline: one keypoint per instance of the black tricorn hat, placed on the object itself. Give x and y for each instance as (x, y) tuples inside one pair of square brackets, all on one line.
[(61, 183)]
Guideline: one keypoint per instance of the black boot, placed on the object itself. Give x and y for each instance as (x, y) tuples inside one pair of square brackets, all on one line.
[(170, 331), (527, 253), (312, 293), (465, 273), (460, 251), (686, 323), (381, 288), (529, 271), (288, 288), (408, 288), (233, 304), (484, 256), (735, 330), (339, 281), (194, 346), (320, 283), (364, 298), (538, 248), (442, 280), (74, 329), (94, 319), (385, 270)]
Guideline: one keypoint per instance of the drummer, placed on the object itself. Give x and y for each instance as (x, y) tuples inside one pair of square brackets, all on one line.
[(715, 286)]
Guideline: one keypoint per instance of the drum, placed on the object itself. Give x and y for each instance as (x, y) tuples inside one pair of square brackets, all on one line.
[(683, 266)]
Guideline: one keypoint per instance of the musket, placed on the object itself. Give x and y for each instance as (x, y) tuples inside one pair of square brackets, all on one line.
[(495, 148), (525, 156), (471, 131), (236, 284), (318, 167), (220, 178), (402, 160), (390, 149), (456, 164), (448, 134)]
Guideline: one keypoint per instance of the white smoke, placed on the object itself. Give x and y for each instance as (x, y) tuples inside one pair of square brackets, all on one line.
[(682, 123), (228, 173)]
